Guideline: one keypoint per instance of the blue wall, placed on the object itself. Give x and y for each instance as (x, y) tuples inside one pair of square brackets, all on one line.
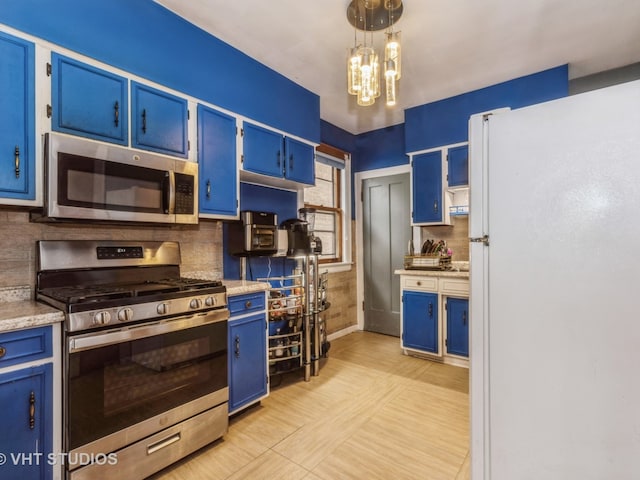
[(284, 204), (446, 121), (142, 37)]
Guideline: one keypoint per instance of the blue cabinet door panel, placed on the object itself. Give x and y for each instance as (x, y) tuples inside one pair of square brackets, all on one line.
[(218, 173), (458, 166), (420, 321), (89, 101), (25, 396), (427, 187), (299, 162), (458, 326), (262, 151), (17, 113), (159, 121), (247, 360)]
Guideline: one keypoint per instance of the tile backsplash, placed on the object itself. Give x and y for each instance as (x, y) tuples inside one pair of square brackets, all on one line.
[(200, 245), (456, 235)]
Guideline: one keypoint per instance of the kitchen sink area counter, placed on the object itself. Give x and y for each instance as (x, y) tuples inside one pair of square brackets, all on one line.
[(435, 313), (19, 311)]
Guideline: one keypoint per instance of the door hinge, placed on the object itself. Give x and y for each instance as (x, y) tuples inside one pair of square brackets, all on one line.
[(446, 340), (48, 69), (362, 195), (188, 114), (242, 158), (49, 111), (363, 305), (242, 132), (483, 239), (189, 145)]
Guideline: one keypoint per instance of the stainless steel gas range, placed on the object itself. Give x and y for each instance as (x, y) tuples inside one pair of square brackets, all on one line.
[(144, 355)]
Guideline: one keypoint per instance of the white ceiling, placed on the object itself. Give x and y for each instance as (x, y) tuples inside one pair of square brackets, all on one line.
[(449, 46)]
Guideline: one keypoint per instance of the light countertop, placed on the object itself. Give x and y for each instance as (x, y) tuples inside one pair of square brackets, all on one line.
[(18, 311), (239, 287), (434, 273)]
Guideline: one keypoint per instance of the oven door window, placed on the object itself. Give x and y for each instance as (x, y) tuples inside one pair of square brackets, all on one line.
[(116, 386), (100, 184)]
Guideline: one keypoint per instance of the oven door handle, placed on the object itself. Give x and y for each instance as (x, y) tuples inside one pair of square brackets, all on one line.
[(136, 332)]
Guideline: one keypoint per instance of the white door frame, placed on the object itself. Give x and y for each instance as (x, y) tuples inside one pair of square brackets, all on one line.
[(358, 179)]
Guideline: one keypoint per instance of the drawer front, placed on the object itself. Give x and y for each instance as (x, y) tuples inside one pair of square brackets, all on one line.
[(251, 302), (454, 286), (25, 346), (420, 283)]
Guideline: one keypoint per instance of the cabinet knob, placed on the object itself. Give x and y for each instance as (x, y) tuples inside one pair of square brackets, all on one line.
[(248, 304), (116, 113), (208, 189), (144, 120), (3, 351), (419, 283)]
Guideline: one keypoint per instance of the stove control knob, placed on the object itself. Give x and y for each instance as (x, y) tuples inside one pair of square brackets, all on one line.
[(210, 301), (163, 308), (101, 318), (195, 303), (125, 315)]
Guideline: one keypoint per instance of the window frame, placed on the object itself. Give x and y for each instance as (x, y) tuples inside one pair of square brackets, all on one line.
[(342, 193)]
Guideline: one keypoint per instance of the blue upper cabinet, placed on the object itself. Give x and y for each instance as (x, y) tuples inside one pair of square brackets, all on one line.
[(159, 121), (218, 174), (458, 165), (262, 150), (88, 101), (428, 190), (299, 161), (17, 130), (278, 160)]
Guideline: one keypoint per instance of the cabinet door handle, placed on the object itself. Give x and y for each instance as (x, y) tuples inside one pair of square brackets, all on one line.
[(237, 346), (144, 120), (208, 189), (3, 351), (435, 205), (430, 309), (17, 161), (291, 162), (278, 161), (116, 113), (464, 317), (32, 410)]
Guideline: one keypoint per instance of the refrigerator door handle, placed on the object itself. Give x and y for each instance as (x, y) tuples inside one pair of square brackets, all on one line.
[(483, 239)]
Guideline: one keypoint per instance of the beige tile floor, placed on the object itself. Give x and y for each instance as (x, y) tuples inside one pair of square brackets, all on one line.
[(372, 413)]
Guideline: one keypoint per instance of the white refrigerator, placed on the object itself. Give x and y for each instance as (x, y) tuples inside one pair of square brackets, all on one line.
[(555, 289)]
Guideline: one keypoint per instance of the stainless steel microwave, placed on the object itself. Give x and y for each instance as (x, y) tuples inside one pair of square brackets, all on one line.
[(88, 180)]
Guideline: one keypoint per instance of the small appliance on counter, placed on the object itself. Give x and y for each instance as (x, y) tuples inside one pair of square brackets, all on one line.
[(309, 215), (297, 236), (256, 233)]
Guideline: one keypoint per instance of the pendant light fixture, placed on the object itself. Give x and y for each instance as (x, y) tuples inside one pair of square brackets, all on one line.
[(363, 64)]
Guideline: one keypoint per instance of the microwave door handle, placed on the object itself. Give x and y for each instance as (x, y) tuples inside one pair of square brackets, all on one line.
[(169, 197)]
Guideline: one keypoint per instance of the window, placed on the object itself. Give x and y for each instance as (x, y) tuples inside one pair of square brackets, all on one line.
[(330, 198)]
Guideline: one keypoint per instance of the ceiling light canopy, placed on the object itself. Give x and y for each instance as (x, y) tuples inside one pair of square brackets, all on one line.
[(363, 65)]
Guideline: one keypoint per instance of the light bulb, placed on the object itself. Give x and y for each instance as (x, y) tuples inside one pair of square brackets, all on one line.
[(392, 51)]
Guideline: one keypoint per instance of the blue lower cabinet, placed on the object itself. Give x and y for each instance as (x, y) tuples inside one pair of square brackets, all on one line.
[(420, 321), (457, 326), (26, 419), (247, 355)]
